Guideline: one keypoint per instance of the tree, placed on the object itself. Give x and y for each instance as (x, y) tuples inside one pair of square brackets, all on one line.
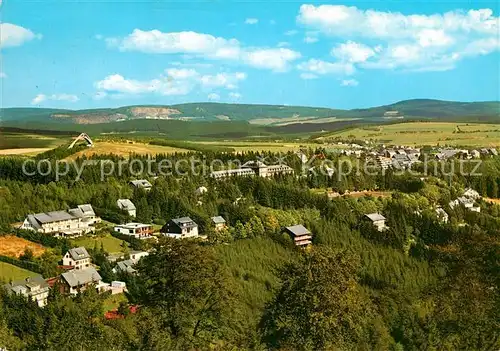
[(319, 305), (185, 288)]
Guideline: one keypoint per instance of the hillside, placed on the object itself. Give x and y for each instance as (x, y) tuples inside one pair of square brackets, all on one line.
[(258, 114)]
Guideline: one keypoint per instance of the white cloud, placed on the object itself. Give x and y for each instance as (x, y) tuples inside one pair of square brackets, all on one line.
[(116, 83), (310, 39), (282, 44), (291, 32), (54, 97), (319, 67), (206, 46), (274, 59), (349, 83), (226, 80), (213, 97), (175, 81), (3, 74), (251, 21), (234, 96), (13, 35), (353, 52), (410, 42)]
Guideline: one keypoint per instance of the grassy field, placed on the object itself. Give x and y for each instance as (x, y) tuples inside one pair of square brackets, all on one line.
[(10, 272), (111, 244), (122, 148), (113, 301), (428, 133), (14, 246), (242, 146)]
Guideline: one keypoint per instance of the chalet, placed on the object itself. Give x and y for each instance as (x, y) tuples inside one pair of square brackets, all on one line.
[(254, 168), (126, 205), (141, 184), (127, 266), (78, 280), (34, 288), (71, 223), (78, 258), (377, 220), (137, 230), (180, 228), (300, 235), (219, 222)]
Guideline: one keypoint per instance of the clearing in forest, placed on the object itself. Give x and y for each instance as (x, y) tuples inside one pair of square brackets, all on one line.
[(14, 246)]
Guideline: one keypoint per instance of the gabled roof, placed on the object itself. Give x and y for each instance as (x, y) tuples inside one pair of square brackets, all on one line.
[(298, 230), (54, 216), (126, 266), (184, 221), (78, 253), (81, 277), (375, 217), (218, 219), (25, 285), (125, 204), (141, 183), (254, 164)]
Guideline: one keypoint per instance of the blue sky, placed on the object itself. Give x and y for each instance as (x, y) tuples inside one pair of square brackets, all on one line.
[(71, 54)]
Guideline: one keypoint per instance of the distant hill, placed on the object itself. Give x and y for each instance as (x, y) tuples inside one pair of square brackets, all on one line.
[(408, 109)]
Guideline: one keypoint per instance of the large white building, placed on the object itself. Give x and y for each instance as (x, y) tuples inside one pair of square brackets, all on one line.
[(73, 222), (253, 168), (137, 230)]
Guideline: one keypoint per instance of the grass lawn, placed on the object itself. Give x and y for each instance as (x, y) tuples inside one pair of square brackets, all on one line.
[(428, 133), (122, 148), (110, 243), (10, 272), (113, 301), (259, 146)]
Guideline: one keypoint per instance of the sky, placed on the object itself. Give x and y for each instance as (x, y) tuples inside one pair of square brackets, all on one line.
[(352, 54)]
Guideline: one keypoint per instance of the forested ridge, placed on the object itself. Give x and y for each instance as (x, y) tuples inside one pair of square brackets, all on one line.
[(423, 284)]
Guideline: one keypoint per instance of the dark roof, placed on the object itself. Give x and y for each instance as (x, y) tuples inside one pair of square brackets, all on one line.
[(184, 222), (79, 253), (29, 282), (298, 230)]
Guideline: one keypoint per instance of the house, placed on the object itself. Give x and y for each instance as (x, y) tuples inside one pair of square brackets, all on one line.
[(475, 154), (377, 220), (254, 168), (467, 202), (442, 215), (34, 288), (71, 223), (393, 114), (137, 255), (446, 154), (300, 235), (471, 193), (137, 230), (494, 152), (78, 258), (219, 222), (183, 227), (126, 205), (128, 265), (78, 280), (86, 213), (141, 184)]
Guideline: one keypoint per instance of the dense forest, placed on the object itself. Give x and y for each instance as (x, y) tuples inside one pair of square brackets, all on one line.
[(422, 284)]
